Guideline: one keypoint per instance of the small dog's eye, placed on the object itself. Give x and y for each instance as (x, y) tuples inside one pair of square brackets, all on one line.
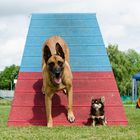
[(60, 63), (51, 64)]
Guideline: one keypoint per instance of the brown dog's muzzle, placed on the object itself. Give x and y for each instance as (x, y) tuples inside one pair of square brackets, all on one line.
[(56, 75)]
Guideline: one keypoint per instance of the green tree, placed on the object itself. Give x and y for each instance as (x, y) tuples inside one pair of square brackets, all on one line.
[(124, 65), (134, 59), (7, 77)]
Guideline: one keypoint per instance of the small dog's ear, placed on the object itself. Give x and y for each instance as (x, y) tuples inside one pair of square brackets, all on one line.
[(59, 50), (102, 99), (92, 98), (47, 53)]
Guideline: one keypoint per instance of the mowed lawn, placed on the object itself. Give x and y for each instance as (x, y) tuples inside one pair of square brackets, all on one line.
[(132, 131)]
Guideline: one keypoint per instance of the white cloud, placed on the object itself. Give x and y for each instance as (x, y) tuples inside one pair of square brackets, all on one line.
[(13, 32), (115, 31), (11, 52)]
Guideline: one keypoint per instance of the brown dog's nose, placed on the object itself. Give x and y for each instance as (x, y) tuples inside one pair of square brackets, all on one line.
[(57, 75), (57, 72)]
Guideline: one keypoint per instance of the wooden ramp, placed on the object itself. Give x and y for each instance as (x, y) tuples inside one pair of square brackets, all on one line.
[(91, 68)]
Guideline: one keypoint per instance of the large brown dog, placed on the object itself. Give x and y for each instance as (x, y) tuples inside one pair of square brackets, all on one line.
[(57, 74)]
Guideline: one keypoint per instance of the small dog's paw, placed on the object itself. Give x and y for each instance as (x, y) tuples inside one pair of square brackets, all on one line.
[(105, 123), (93, 124), (71, 117)]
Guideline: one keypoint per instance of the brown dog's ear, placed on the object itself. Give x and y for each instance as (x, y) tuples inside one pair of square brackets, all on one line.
[(59, 50), (102, 99), (47, 53)]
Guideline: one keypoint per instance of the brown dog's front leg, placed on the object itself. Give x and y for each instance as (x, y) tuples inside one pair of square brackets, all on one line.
[(71, 116), (48, 104)]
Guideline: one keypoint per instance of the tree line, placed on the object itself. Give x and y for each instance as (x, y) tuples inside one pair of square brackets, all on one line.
[(124, 65), (7, 77)]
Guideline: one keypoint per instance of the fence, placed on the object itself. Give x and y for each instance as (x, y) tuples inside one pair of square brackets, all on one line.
[(7, 94)]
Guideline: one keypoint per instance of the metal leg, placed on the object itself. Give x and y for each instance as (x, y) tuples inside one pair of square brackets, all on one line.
[(136, 90), (133, 90)]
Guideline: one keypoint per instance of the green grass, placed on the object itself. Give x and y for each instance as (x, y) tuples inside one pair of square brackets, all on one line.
[(5, 101), (132, 131)]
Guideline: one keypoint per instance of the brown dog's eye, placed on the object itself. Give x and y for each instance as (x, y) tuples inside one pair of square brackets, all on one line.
[(51, 64), (60, 63)]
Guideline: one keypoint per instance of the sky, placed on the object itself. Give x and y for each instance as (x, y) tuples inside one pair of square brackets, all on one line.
[(119, 22)]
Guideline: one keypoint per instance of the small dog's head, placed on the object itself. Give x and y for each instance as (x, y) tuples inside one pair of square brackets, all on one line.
[(54, 63), (97, 103)]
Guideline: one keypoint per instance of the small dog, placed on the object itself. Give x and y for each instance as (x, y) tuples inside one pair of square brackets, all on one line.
[(97, 113), (57, 75)]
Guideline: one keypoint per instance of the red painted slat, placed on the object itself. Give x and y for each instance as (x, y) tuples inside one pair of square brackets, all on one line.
[(44, 123), (32, 82), (36, 114), (97, 84), (76, 75), (79, 99)]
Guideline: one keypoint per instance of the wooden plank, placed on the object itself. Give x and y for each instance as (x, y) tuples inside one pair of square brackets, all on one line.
[(72, 47), (99, 84), (74, 69), (69, 31), (77, 123), (85, 61), (53, 23), (81, 98), (113, 114), (76, 75), (74, 50), (72, 16), (75, 40)]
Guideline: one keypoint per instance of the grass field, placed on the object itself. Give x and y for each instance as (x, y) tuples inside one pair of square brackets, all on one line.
[(132, 131)]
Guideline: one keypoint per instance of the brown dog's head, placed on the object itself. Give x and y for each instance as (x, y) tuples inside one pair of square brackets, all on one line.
[(54, 63)]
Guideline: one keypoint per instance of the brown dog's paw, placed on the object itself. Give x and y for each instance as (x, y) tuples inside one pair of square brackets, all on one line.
[(50, 125), (64, 91), (71, 117), (43, 91)]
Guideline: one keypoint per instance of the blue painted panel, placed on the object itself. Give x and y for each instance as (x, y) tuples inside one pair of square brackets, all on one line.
[(69, 31), (80, 31), (76, 68), (75, 16), (96, 40), (74, 50), (80, 61), (63, 23)]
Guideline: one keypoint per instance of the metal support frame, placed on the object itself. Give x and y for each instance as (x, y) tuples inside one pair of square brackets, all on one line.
[(134, 90)]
